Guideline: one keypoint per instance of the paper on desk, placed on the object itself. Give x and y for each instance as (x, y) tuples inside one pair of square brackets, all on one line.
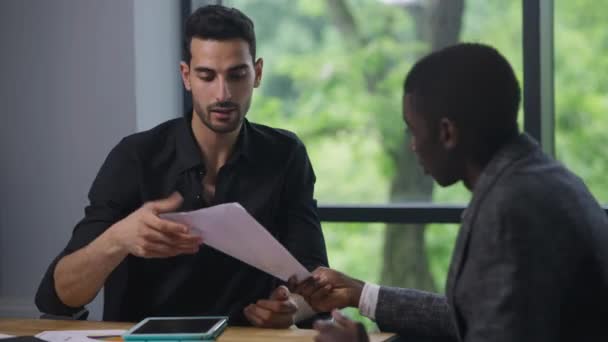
[(229, 228), (77, 335), (5, 336)]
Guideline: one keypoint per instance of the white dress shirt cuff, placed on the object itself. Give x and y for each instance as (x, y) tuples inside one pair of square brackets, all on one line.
[(369, 300)]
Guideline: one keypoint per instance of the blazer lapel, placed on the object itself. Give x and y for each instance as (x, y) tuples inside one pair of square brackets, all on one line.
[(458, 257), (491, 173)]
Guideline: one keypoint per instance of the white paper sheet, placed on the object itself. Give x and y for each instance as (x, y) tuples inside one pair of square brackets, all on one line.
[(5, 336), (229, 228), (77, 335)]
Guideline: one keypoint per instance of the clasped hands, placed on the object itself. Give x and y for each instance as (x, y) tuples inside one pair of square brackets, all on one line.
[(326, 290)]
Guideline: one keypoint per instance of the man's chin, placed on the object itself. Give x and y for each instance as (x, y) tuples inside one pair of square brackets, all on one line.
[(224, 127), (445, 182)]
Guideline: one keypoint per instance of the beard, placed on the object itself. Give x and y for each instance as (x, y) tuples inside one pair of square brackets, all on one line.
[(225, 125)]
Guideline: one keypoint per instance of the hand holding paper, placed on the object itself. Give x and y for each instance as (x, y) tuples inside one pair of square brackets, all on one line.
[(230, 229)]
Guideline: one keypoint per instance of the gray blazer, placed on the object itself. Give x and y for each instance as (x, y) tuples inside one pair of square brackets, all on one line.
[(530, 262)]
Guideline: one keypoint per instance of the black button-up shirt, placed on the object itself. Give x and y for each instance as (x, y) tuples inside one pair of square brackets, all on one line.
[(268, 173)]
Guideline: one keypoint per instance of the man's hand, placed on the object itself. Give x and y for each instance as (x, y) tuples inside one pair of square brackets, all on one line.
[(276, 312), (329, 289), (80, 275), (343, 330), (145, 234)]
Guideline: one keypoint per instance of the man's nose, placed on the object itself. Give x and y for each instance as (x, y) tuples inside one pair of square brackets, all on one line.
[(223, 92)]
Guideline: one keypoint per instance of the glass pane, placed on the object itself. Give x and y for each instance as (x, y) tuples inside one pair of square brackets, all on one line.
[(333, 73), (358, 249), (581, 91)]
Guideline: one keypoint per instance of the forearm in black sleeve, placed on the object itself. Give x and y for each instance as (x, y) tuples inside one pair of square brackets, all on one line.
[(112, 196)]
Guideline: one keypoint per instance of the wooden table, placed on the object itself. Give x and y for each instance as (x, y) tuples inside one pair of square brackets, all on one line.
[(22, 327)]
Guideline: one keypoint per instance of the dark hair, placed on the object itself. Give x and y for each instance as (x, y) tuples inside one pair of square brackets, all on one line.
[(217, 22), (474, 86)]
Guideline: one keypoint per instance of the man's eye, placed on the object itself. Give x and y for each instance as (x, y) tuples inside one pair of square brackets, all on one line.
[(238, 75), (206, 77)]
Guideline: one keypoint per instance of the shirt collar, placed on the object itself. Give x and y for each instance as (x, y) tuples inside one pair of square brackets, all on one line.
[(517, 147), (189, 154)]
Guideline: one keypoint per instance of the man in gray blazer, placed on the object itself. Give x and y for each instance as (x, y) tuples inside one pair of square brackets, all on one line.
[(531, 258)]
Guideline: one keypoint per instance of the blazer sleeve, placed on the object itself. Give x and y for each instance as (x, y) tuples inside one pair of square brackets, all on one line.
[(414, 313)]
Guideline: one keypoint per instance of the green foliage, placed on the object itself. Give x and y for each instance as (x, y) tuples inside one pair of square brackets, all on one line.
[(581, 88), (439, 242)]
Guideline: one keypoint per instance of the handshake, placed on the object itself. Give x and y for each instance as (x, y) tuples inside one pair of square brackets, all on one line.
[(328, 289)]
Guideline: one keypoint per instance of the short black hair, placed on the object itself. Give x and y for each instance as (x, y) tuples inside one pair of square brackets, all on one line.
[(474, 86), (218, 22)]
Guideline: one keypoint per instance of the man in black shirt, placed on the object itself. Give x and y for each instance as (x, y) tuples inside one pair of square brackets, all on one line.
[(153, 267)]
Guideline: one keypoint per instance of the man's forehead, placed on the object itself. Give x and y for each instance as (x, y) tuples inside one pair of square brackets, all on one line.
[(228, 53)]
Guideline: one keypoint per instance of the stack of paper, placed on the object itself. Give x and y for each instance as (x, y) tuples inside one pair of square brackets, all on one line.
[(80, 335)]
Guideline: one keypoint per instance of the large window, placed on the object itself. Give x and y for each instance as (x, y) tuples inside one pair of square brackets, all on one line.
[(333, 74)]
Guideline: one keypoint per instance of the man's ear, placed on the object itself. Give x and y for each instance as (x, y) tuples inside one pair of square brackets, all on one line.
[(258, 67), (184, 71), (448, 134)]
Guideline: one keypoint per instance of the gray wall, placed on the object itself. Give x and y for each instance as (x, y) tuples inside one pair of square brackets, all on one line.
[(75, 77), (158, 88)]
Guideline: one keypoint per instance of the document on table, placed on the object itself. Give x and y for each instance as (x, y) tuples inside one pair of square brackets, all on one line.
[(80, 335), (230, 229), (5, 336)]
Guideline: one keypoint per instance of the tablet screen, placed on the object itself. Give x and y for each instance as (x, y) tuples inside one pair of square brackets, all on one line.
[(177, 326)]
